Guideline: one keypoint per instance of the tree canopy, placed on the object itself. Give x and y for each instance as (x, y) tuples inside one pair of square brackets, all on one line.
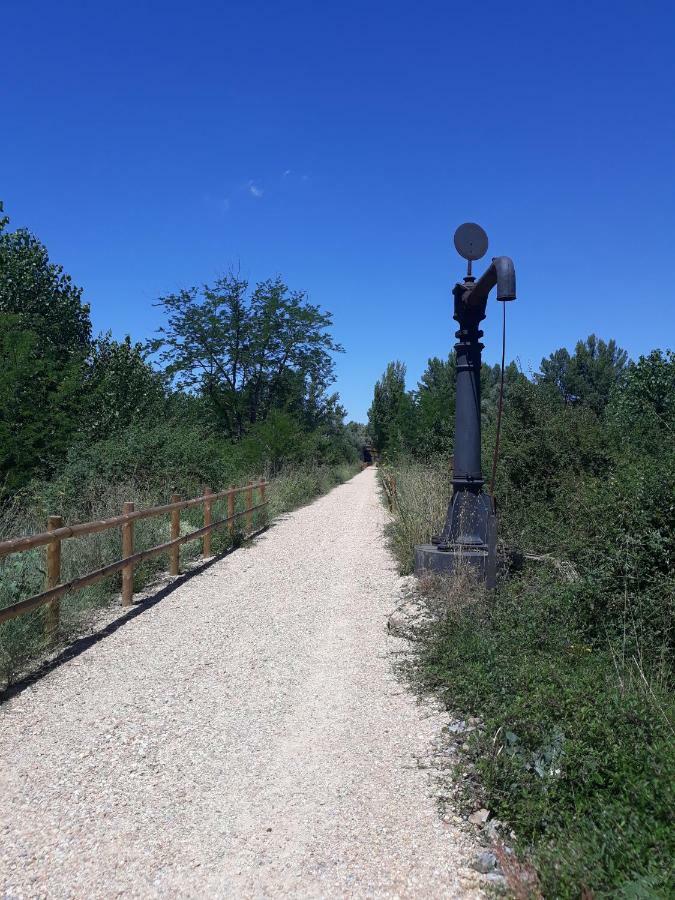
[(588, 375), (248, 352), (41, 294), (421, 422)]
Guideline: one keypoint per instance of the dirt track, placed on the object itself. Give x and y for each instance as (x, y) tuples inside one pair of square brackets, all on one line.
[(244, 737)]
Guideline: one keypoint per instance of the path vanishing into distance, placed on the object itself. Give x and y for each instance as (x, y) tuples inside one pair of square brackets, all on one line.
[(246, 736)]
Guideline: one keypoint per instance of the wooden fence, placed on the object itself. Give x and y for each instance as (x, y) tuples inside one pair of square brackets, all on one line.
[(58, 532)]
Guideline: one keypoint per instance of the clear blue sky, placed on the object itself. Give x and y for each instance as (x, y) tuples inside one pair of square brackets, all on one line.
[(156, 145)]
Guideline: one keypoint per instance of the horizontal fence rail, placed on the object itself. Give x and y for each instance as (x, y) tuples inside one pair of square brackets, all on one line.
[(58, 532)]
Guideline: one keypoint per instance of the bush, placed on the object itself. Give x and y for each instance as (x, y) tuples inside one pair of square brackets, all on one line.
[(292, 488)]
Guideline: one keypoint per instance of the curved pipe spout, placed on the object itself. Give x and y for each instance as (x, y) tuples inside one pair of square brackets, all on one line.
[(502, 273)]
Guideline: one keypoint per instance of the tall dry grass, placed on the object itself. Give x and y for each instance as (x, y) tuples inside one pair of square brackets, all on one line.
[(422, 495)]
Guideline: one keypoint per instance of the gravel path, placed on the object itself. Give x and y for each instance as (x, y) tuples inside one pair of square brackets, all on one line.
[(245, 737)]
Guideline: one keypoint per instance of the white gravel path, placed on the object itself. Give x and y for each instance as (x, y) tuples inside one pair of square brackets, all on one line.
[(244, 737)]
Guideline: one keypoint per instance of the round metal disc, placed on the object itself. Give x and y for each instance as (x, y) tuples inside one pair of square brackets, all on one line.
[(471, 242)]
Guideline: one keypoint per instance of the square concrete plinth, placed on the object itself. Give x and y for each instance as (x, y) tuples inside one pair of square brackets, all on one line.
[(428, 558)]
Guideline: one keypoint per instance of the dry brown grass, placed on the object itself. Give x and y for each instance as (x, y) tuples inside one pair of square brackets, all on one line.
[(422, 495), (450, 596)]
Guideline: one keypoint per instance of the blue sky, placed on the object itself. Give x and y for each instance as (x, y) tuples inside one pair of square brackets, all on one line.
[(156, 145)]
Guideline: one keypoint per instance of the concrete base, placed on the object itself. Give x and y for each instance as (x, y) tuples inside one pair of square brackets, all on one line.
[(428, 558)]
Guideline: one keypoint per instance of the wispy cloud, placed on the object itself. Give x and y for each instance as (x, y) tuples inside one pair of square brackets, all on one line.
[(287, 172), (255, 190), (216, 202)]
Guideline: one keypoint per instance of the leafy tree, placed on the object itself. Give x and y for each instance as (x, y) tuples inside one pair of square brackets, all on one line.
[(120, 387), (436, 405), (588, 376), (248, 352), (422, 422), (391, 417), (490, 381), (356, 434), (641, 411), (277, 441), (44, 344), (38, 405), (42, 295), (555, 371)]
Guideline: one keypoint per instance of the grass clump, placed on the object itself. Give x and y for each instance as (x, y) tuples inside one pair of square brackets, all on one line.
[(421, 502)]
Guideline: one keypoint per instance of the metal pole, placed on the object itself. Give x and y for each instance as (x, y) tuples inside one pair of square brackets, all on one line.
[(465, 524), (469, 536)]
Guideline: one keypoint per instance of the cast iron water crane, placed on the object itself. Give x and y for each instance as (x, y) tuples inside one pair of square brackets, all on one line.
[(469, 536)]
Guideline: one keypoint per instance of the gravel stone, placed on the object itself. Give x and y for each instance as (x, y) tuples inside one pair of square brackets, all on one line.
[(485, 862), (480, 816), (244, 737)]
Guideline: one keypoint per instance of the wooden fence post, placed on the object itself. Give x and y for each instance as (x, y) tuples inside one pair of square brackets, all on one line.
[(206, 545), (53, 577), (263, 487), (230, 510), (249, 507), (175, 533), (127, 550)]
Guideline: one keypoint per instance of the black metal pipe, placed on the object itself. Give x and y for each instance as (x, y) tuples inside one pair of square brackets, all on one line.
[(466, 466), (500, 272)]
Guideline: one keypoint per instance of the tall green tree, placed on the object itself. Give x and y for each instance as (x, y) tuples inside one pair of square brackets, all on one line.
[(248, 352), (44, 343), (391, 417), (42, 295), (589, 375), (641, 411), (39, 403), (120, 388), (436, 406)]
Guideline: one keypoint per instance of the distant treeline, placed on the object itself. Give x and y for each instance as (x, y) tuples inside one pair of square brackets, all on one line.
[(422, 421)]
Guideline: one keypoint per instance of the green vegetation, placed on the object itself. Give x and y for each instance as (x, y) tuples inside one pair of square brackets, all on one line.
[(235, 386), (569, 662)]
